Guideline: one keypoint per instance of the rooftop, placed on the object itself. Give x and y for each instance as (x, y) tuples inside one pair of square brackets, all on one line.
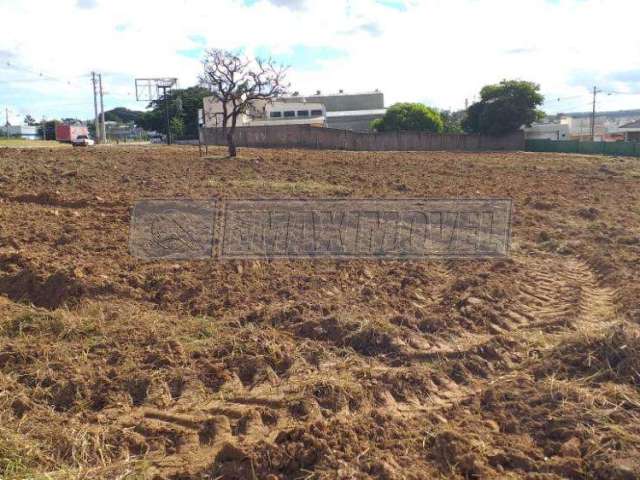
[(613, 113), (334, 94), (352, 113), (634, 124)]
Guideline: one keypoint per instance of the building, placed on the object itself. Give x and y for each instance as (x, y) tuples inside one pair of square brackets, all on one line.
[(347, 111), (123, 132), (547, 131), (343, 111), (290, 113), (607, 124), (27, 132), (213, 112), (631, 131), (264, 113)]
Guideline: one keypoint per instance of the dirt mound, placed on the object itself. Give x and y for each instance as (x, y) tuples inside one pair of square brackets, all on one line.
[(610, 356), (54, 199), (52, 291)]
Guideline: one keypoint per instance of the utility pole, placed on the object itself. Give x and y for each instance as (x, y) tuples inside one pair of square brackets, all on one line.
[(95, 108), (593, 116), (6, 121), (166, 110), (44, 129), (103, 132)]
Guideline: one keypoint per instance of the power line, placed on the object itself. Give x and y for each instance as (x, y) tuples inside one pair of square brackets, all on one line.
[(41, 76), (621, 93), (561, 99)]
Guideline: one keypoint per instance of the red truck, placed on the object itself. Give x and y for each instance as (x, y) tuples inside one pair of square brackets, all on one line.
[(70, 133)]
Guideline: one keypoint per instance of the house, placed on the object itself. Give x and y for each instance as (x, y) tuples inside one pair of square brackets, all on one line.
[(547, 131), (631, 131), (606, 128)]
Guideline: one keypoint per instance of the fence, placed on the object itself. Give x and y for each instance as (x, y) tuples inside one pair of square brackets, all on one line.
[(576, 146), (304, 136)]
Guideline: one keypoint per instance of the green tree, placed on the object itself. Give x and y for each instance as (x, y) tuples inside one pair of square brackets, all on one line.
[(176, 125), (452, 120), (29, 120), (504, 108), (47, 129), (123, 115), (409, 117), (184, 102)]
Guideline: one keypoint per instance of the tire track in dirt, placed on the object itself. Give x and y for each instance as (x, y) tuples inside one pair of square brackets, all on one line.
[(199, 435), (553, 296), (565, 294)]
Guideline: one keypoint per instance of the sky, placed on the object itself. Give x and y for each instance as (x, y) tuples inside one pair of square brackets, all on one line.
[(438, 52)]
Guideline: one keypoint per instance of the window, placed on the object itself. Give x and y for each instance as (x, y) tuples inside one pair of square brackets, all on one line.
[(290, 113), (303, 113), (275, 114), (316, 113)]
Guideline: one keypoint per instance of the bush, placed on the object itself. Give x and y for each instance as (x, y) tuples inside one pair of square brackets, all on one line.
[(409, 117)]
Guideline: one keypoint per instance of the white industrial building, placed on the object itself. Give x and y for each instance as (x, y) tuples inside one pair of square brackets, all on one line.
[(26, 132), (344, 111), (347, 111), (213, 112), (289, 113)]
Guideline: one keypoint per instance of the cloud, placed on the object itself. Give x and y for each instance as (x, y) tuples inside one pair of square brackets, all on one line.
[(198, 40), (301, 57), (6, 55), (410, 50), (87, 4), (395, 4), (290, 4), (372, 28), (631, 76), (519, 51), (196, 52)]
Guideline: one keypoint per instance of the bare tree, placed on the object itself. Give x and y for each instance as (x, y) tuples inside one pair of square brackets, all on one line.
[(236, 82)]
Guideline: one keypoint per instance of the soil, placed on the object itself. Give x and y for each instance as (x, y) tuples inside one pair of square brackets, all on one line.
[(113, 367)]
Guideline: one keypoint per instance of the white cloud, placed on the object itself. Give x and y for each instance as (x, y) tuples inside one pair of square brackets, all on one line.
[(87, 3), (436, 51)]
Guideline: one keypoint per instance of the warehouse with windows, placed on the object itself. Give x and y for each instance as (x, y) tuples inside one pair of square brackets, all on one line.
[(345, 111)]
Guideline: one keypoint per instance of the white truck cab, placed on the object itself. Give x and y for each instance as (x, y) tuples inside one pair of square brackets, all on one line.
[(82, 141)]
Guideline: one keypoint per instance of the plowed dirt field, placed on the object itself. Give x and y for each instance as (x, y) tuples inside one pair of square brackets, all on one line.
[(113, 367)]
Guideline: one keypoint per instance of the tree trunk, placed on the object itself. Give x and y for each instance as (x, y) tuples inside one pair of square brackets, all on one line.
[(230, 139), (231, 144)]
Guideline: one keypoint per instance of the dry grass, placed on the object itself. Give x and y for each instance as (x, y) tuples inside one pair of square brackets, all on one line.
[(611, 355), (298, 187), (317, 369), (20, 143)]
